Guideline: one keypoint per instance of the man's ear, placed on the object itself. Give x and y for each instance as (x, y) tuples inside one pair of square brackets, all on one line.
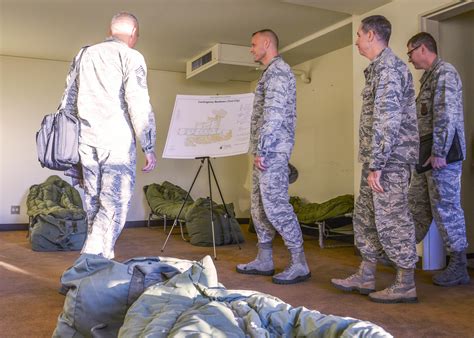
[(266, 43), (371, 36), (423, 49)]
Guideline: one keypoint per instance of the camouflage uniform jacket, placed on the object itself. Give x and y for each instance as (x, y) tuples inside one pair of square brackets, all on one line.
[(440, 107), (388, 132), (274, 110), (112, 98)]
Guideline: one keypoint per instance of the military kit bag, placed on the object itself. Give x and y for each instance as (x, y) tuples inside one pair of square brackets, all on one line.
[(426, 143), (50, 233), (57, 141)]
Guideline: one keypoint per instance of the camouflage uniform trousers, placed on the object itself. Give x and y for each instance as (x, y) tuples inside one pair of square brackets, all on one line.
[(382, 221), (436, 194), (270, 207), (109, 180)]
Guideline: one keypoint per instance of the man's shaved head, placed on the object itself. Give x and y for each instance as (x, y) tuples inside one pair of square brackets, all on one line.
[(268, 33), (124, 26), (123, 23)]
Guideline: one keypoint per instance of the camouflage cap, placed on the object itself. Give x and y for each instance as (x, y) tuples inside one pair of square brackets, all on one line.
[(292, 173)]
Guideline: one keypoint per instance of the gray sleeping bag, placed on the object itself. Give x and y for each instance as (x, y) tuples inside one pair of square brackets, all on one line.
[(101, 290), (169, 297), (195, 304)]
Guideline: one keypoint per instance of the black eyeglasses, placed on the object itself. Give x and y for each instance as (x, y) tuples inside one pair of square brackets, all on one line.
[(412, 50)]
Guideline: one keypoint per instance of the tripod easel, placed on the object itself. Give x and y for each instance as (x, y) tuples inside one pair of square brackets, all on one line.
[(209, 170)]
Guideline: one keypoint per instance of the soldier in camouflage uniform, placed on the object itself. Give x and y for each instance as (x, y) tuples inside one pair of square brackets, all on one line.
[(388, 149), (272, 139), (113, 106), (436, 194)]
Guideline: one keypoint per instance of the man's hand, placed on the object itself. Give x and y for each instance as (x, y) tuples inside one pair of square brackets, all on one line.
[(150, 162), (374, 181), (259, 163), (436, 162)]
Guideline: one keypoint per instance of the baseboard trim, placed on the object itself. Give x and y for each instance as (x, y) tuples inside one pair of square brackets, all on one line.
[(243, 220), (129, 224), (14, 227)]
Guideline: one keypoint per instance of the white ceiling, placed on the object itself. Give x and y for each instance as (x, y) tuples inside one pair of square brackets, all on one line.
[(173, 31)]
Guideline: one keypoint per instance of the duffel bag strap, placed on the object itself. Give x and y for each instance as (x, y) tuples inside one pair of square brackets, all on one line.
[(72, 77)]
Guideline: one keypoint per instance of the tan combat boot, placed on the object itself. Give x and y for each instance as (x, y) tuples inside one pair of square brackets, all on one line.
[(297, 271), (455, 273), (363, 281), (403, 290), (262, 265)]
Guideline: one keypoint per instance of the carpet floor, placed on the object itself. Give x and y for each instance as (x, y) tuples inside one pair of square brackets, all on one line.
[(30, 303)]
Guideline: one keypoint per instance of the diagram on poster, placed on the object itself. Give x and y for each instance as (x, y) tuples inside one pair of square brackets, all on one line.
[(213, 126)]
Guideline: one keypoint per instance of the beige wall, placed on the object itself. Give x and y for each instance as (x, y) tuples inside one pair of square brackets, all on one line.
[(327, 129), (323, 151), (31, 88), (26, 95)]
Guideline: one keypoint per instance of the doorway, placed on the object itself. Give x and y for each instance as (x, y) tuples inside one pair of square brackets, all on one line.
[(453, 28)]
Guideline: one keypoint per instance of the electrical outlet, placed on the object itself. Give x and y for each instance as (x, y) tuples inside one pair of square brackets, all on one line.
[(15, 210)]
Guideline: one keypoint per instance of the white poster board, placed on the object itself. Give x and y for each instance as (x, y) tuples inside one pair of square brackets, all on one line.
[(209, 126)]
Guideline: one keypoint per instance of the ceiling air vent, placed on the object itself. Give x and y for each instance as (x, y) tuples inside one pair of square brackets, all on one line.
[(201, 61), (222, 63)]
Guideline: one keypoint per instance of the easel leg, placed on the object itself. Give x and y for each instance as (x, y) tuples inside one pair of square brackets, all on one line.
[(210, 207), (182, 205), (176, 220), (234, 236)]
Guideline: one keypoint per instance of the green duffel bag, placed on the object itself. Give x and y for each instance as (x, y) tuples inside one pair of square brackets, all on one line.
[(199, 228), (48, 233)]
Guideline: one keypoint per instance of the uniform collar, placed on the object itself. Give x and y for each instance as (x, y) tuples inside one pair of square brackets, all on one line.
[(427, 73), (271, 61), (379, 57), (114, 39), (376, 61)]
